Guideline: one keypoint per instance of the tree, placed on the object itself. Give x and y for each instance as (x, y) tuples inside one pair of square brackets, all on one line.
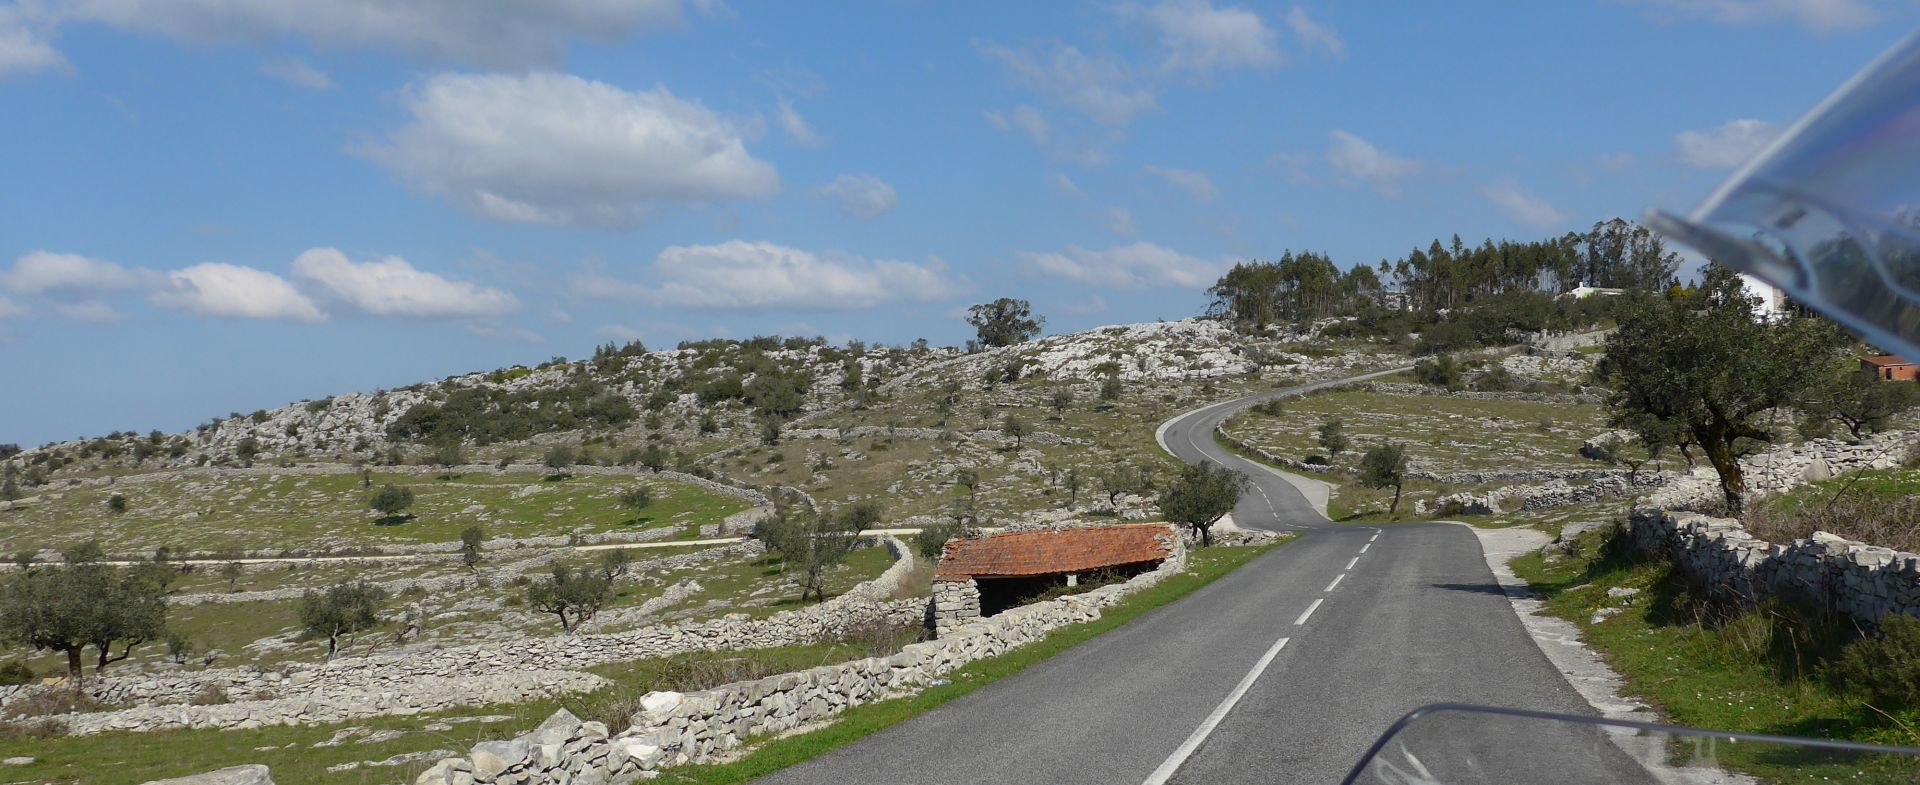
[(1004, 322), (654, 457), (1201, 496), (391, 500), (967, 477), (10, 486), (1440, 371), (344, 610), (1861, 402), (247, 450), (615, 563), (85, 602), (231, 571), (447, 454), (1116, 479), (1073, 482), (1333, 437), (1062, 398), (1111, 388), (470, 539), (1711, 373), (811, 543), (770, 430), (573, 596), (559, 457), (1385, 465), (636, 497), (1016, 429), (1631, 453)]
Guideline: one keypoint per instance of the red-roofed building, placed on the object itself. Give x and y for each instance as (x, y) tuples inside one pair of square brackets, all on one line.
[(983, 576), (1890, 368)]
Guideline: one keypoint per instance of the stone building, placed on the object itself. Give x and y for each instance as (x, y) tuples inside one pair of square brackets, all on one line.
[(980, 577)]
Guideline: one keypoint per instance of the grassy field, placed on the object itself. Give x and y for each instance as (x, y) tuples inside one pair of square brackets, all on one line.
[(1441, 433), (305, 512), (1759, 671)]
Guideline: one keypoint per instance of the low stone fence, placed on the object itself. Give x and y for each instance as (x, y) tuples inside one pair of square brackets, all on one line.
[(1402, 388), (1863, 581), (674, 729)]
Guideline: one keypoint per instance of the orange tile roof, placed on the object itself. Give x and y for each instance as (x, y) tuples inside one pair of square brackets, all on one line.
[(1050, 552), (1884, 360)]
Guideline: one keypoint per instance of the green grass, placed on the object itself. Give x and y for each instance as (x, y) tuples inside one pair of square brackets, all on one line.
[(1204, 566), (302, 512), (1758, 671), (1441, 433)]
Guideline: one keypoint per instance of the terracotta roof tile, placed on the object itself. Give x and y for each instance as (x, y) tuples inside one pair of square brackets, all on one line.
[(1884, 360), (1048, 552)]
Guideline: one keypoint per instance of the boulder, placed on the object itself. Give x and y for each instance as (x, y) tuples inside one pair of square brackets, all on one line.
[(251, 774), (492, 758)]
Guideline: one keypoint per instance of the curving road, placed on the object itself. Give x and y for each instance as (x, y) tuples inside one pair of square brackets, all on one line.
[(1282, 672)]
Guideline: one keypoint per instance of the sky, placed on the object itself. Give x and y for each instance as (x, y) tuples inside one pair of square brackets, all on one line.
[(210, 206)]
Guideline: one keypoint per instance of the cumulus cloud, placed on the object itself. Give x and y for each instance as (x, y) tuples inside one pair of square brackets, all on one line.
[(798, 131), (24, 46), (1727, 146), (1201, 38), (392, 287), (43, 272), (1136, 266), (1358, 159), (1102, 88), (235, 292), (1314, 35), (297, 73), (1817, 16), (1522, 205), (1196, 184), (862, 196), (492, 33), (762, 275), (556, 149)]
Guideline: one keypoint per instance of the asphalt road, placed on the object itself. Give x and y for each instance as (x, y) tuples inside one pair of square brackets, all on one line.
[(1281, 672)]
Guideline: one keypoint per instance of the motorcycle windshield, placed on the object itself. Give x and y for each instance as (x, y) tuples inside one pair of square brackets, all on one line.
[(1830, 211), (1465, 745)]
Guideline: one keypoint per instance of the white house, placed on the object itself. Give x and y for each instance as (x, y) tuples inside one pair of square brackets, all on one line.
[(1584, 291), (1773, 302)]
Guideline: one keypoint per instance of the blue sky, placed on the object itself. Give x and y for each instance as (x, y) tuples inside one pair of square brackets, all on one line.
[(220, 205)]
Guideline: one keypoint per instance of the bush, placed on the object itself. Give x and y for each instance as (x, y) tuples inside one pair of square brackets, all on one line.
[(1439, 372), (15, 673), (117, 503), (1885, 667), (391, 500)]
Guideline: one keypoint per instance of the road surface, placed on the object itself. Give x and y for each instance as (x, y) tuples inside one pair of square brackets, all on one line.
[(1282, 672)]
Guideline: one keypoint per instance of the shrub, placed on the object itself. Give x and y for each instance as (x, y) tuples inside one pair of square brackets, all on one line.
[(1439, 372), (1884, 667), (391, 500), (14, 673), (117, 503)]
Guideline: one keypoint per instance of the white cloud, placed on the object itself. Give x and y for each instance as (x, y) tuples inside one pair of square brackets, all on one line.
[(556, 149), (1359, 159), (1522, 205), (1136, 266), (799, 132), (1120, 222), (41, 272), (232, 291), (297, 73), (1818, 16), (1088, 307), (392, 287), (862, 196), (493, 33), (1196, 184), (1027, 119), (519, 335), (24, 48), (93, 311), (1064, 184), (761, 275), (1104, 89), (10, 309), (1727, 146), (1201, 38), (1314, 35)]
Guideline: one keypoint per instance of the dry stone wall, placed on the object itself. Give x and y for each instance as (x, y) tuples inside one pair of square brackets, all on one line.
[(1863, 581), (674, 729)]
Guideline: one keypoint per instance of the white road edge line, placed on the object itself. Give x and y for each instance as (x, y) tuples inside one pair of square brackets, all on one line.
[(1356, 560), (1173, 762), (1309, 612), (1336, 582)]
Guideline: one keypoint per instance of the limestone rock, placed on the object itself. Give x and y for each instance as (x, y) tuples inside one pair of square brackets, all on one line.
[(251, 774)]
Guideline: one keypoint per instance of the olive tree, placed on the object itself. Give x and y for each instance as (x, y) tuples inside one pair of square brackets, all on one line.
[(1004, 322), (1861, 401), (1385, 466), (1203, 494), (85, 602), (811, 543), (1333, 437), (572, 595), (391, 500), (470, 539), (1016, 429), (344, 610)]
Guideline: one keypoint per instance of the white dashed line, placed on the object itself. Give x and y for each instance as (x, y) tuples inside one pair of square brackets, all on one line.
[(1356, 560), (1336, 582), (1193, 742), (1363, 548), (1376, 535), (1310, 609)]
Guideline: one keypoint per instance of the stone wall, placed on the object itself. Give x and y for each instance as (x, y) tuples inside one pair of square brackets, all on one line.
[(1864, 582), (1402, 388), (675, 729), (426, 678), (1478, 477), (954, 603)]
